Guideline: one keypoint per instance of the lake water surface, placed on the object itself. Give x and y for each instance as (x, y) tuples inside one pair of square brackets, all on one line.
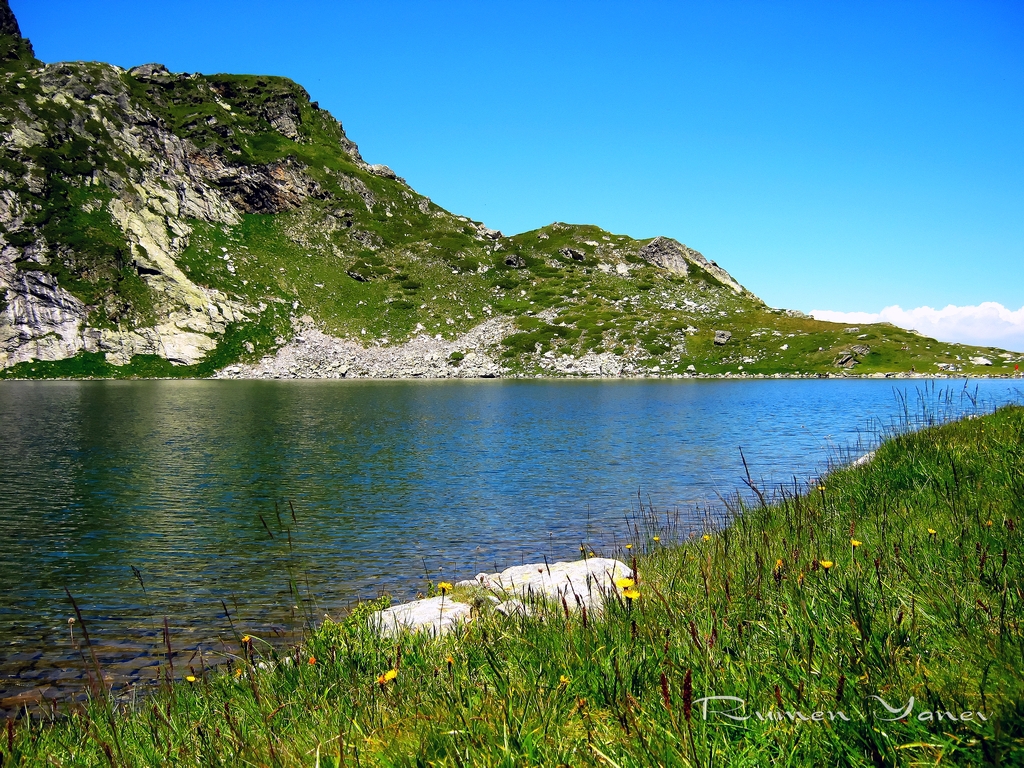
[(193, 484)]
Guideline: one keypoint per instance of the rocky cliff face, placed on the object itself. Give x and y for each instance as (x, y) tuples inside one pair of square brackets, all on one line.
[(104, 173), (8, 23)]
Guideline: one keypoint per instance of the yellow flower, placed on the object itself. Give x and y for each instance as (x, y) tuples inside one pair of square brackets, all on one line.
[(630, 594), (932, 531), (778, 564), (387, 677), (190, 678), (826, 564), (657, 538), (450, 661), (800, 579), (706, 537), (591, 554), (854, 543), (238, 672), (624, 582), (988, 523), (629, 546), (246, 638), (563, 680), (444, 586)]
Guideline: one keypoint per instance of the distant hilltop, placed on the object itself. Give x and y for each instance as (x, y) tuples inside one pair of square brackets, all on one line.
[(170, 224)]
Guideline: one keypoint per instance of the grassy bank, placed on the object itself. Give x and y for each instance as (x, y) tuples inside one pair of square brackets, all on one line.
[(897, 579)]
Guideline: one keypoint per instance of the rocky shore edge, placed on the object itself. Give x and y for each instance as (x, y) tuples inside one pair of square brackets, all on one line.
[(581, 586), (313, 354)]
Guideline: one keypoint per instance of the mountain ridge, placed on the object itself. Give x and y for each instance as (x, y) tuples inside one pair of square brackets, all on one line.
[(173, 224)]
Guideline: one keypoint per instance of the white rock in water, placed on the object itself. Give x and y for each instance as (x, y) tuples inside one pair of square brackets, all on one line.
[(864, 460), (435, 615), (589, 580)]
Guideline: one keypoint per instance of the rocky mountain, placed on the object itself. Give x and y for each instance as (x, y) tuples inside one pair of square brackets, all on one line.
[(173, 224)]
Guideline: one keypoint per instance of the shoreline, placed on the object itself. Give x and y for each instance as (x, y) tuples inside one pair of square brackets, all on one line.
[(565, 377), (477, 354)]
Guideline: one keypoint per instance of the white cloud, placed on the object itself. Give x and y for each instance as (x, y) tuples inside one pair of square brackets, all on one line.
[(987, 325)]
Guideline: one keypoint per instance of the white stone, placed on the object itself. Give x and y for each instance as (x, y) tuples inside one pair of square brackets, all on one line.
[(864, 460), (435, 615), (588, 580)]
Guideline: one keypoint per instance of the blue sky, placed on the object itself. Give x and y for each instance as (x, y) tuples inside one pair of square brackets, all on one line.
[(843, 157)]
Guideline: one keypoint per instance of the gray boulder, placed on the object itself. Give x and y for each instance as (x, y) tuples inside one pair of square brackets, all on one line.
[(154, 72), (378, 169)]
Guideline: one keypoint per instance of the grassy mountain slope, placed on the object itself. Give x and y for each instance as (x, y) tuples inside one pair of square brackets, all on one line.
[(170, 224)]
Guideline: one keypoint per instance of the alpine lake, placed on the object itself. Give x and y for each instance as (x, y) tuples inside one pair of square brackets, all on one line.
[(230, 507)]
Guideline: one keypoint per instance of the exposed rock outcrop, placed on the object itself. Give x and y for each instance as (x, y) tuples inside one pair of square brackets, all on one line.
[(669, 254), (41, 321), (141, 185), (8, 23)]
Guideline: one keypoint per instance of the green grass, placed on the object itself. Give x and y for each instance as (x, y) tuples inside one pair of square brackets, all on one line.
[(928, 605)]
